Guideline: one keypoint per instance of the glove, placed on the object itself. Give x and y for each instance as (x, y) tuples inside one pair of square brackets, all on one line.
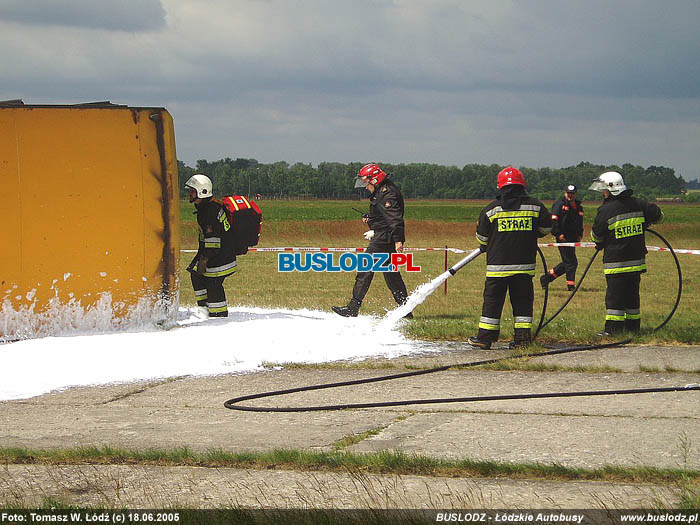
[(369, 235), (201, 266)]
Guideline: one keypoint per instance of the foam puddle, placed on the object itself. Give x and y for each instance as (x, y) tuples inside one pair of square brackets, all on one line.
[(246, 341)]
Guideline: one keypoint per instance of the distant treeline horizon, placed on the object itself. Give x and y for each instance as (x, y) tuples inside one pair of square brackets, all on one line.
[(331, 180)]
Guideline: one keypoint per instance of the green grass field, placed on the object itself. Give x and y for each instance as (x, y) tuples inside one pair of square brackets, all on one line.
[(453, 316)]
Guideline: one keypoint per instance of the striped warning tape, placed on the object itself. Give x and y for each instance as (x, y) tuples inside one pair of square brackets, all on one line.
[(317, 249), (453, 250), (592, 245)]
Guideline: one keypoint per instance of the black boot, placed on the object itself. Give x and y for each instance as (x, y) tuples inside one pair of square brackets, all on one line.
[(614, 327), (633, 325), (350, 310), (547, 278), (522, 338), (479, 343)]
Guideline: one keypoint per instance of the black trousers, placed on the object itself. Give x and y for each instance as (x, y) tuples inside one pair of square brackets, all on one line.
[(393, 279), (622, 302), (522, 296), (568, 264), (209, 292)]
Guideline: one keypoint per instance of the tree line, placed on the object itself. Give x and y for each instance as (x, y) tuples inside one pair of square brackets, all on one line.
[(334, 180)]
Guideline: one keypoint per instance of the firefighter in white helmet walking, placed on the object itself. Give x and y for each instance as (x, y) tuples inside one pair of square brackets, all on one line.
[(216, 258)]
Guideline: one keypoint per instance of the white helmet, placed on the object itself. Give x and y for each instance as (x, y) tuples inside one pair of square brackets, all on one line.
[(201, 184), (611, 181)]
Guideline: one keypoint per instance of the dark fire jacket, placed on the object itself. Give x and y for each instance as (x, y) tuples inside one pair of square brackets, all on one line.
[(386, 209), (567, 219), (619, 228), (215, 243), (508, 230)]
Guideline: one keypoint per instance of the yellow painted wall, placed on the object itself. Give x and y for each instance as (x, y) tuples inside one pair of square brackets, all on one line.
[(89, 204)]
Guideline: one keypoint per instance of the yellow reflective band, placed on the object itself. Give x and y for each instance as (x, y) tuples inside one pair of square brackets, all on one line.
[(514, 213), (218, 309), (489, 326), (212, 245), (508, 274), (523, 325), (614, 317), (246, 201), (633, 316), (627, 269), (221, 273)]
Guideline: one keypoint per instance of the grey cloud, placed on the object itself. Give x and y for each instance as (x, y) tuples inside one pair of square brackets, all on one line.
[(589, 48), (541, 83), (122, 15)]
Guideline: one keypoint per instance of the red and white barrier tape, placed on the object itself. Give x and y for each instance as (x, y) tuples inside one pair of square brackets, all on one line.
[(453, 250), (317, 249), (592, 245)]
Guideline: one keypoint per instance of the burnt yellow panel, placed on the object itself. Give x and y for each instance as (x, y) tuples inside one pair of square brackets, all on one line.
[(11, 231), (93, 206)]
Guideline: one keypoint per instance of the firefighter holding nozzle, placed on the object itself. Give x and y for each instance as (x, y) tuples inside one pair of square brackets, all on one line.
[(387, 235), (507, 230), (618, 230)]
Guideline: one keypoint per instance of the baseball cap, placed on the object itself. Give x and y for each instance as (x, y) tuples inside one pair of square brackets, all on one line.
[(571, 188)]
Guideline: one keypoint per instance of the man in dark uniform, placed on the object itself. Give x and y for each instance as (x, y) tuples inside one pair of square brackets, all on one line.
[(387, 235), (507, 231), (216, 258), (618, 229), (567, 226)]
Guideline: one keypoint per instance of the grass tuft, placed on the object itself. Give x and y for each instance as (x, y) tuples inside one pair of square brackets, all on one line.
[(382, 462)]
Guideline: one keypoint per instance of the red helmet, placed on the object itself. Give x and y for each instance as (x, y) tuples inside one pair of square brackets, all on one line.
[(510, 175), (371, 174)]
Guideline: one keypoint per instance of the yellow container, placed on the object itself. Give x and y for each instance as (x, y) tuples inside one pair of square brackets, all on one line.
[(88, 211)]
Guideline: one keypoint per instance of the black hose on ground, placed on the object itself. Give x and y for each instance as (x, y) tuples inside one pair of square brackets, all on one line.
[(233, 403)]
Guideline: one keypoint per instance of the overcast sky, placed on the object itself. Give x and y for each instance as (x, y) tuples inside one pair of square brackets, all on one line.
[(530, 82)]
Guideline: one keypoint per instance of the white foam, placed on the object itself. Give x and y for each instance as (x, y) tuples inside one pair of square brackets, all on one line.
[(66, 318), (243, 342), (416, 298)]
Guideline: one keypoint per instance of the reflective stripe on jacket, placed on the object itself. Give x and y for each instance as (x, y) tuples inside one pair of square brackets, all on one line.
[(508, 229), (619, 227)]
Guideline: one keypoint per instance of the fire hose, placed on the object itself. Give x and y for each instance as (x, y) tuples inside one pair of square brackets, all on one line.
[(233, 403)]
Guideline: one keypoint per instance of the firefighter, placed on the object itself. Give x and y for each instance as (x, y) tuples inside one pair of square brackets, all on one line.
[(216, 258), (567, 226), (386, 235), (618, 229), (507, 231)]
